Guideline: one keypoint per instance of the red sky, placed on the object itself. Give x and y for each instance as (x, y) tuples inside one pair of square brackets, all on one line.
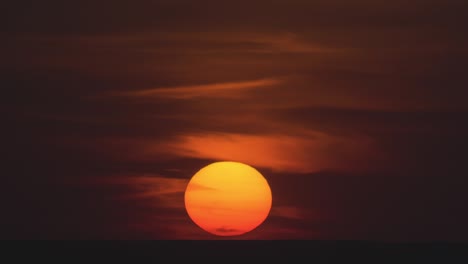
[(354, 111)]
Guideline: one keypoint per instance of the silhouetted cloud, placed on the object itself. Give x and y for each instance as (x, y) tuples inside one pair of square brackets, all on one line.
[(226, 230)]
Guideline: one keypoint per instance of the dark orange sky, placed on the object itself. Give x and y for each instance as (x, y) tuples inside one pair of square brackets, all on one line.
[(354, 111)]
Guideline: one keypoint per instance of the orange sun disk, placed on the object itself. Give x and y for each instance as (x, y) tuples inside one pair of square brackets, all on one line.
[(228, 198)]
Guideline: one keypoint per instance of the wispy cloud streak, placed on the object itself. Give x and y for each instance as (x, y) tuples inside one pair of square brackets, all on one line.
[(215, 90)]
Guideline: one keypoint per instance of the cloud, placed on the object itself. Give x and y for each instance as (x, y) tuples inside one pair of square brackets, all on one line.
[(285, 43), (200, 187), (289, 212), (227, 230), (278, 152), (187, 42), (168, 192), (215, 90), (249, 42)]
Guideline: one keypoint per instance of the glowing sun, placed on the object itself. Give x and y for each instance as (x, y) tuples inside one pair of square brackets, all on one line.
[(228, 198)]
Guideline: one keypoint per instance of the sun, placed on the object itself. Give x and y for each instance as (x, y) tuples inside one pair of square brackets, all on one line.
[(228, 198)]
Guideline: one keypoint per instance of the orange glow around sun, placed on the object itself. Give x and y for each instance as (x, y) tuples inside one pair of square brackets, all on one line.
[(228, 198)]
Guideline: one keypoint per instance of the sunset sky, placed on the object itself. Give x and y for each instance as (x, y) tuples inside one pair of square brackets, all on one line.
[(354, 111)]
